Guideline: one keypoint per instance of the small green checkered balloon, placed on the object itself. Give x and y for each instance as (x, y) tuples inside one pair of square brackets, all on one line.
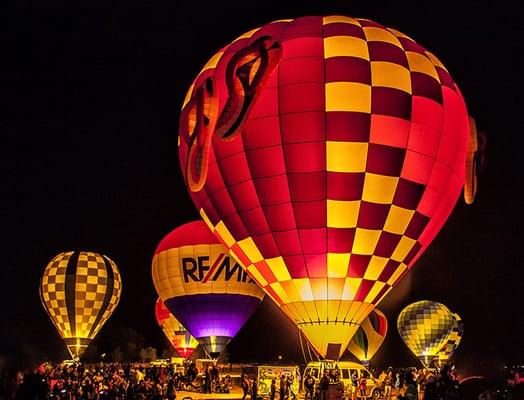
[(425, 326)]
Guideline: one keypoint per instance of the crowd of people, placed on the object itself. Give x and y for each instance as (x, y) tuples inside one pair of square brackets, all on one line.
[(115, 382), (134, 382)]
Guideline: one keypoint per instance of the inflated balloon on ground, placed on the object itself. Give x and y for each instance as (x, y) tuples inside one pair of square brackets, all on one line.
[(80, 291), (325, 153), (202, 286)]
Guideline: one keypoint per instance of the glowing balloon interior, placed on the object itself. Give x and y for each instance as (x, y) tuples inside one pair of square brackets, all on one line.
[(369, 337), (202, 286), (177, 335), (325, 153), (79, 291)]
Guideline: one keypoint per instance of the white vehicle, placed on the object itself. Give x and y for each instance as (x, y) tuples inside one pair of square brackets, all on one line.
[(346, 369)]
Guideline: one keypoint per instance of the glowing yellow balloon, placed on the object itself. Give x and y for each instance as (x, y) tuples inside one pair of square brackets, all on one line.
[(425, 327), (369, 336), (79, 291)]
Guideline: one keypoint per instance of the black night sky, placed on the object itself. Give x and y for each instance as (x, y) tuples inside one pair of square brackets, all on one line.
[(92, 92)]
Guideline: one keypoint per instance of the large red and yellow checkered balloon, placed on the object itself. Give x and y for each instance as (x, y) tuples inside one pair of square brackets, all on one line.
[(325, 153)]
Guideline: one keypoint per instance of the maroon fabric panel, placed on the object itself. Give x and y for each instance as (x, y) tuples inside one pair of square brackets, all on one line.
[(384, 160), (357, 265), (310, 215), (343, 29), (386, 244), (340, 240), (345, 186), (308, 186), (280, 217), (313, 241), (348, 126), (305, 157), (417, 225), (348, 69), (372, 215), (272, 190), (382, 51), (392, 102), (303, 127), (426, 86)]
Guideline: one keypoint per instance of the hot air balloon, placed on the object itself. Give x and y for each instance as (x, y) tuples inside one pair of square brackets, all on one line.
[(80, 291), (325, 153), (426, 327), (177, 335), (202, 286), (369, 336), (454, 340)]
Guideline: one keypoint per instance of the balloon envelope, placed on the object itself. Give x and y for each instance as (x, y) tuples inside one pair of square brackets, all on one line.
[(425, 327), (369, 336), (177, 335), (79, 291), (202, 286), (325, 153), (451, 345)]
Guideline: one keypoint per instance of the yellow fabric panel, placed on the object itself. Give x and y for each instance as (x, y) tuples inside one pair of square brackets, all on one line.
[(400, 270), (346, 156), (333, 309), (319, 288), (335, 288), (310, 308), (363, 311), (375, 267), (345, 46), (374, 34), (435, 60), (420, 63), (348, 96), (321, 305), (224, 234), (304, 289), (390, 75), (291, 290), (257, 275), (279, 290), (279, 268), (252, 31), (350, 288), (343, 309), (339, 18), (337, 264), (342, 214), (379, 188), (213, 61), (403, 248), (335, 333), (250, 248), (352, 311), (398, 34), (377, 287), (398, 220), (365, 241)]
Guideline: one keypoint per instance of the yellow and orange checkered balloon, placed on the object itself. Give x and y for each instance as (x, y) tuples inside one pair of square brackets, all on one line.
[(326, 153), (80, 291)]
